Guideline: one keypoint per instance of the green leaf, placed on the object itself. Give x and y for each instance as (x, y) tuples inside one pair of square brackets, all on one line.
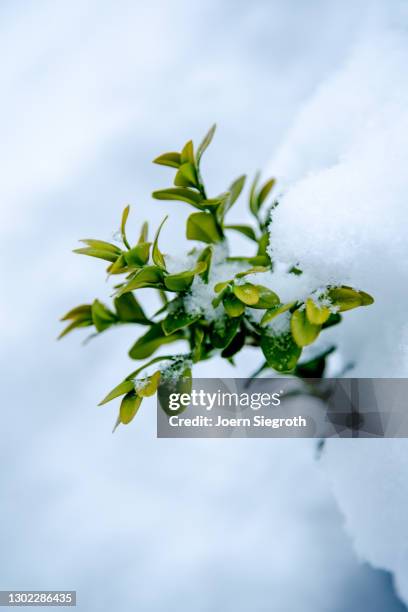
[(205, 142), (275, 311), (149, 386), (247, 293), (186, 176), (157, 255), (102, 317), (334, 319), (143, 233), (246, 230), (303, 331), (206, 257), (280, 351), (265, 191), (235, 345), (125, 215), (316, 314), (267, 298), (138, 256), (187, 154), (179, 193), (147, 344), (171, 159), (84, 310), (366, 298), (101, 245), (263, 244), (253, 199), (181, 281), (198, 337), (107, 255), (149, 276), (232, 305), (202, 226), (223, 331), (129, 407), (178, 319), (345, 298), (119, 266), (129, 310), (80, 321), (124, 387)]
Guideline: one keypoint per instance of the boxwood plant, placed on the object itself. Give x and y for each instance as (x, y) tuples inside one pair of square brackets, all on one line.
[(213, 305)]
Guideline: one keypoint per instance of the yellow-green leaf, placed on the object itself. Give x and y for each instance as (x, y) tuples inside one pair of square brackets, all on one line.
[(205, 142), (275, 311), (317, 314), (125, 215), (187, 154), (149, 387), (303, 331), (171, 159), (247, 293), (203, 227), (157, 255), (124, 387), (129, 407), (232, 305)]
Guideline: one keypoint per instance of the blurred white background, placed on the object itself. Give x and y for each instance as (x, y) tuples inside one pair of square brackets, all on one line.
[(92, 91)]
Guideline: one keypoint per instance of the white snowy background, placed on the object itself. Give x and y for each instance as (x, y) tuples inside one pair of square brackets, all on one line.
[(316, 93)]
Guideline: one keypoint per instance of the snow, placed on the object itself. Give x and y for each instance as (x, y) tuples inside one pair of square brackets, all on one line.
[(342, 218)]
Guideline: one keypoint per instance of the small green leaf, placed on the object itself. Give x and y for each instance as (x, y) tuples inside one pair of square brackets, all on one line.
[(157, 255), (220, 286), (143, 233), (168, 159), (129, 310), (124, 387), (198, 337), (206, 257), (334, 319), (149, 387), (84, 310), (303, 331), (280, 351), (129, 407), (235, 345), (267, 298), (275, 311), (178, 319), (138, 256), (253, 199), (235, 190), (246, 230), (186, 176), (205, 142), (224, 330), (80, 321), (181, 281), (101, 245), (99, 253), (345, 298), (265, 191), (187, 154), (125, 215), (232, 305), (366, 298), (102, 317), (119, 266), (247, 293), (179, 193), (202, 226), (149, 276), (147, 344), (317, 314)]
